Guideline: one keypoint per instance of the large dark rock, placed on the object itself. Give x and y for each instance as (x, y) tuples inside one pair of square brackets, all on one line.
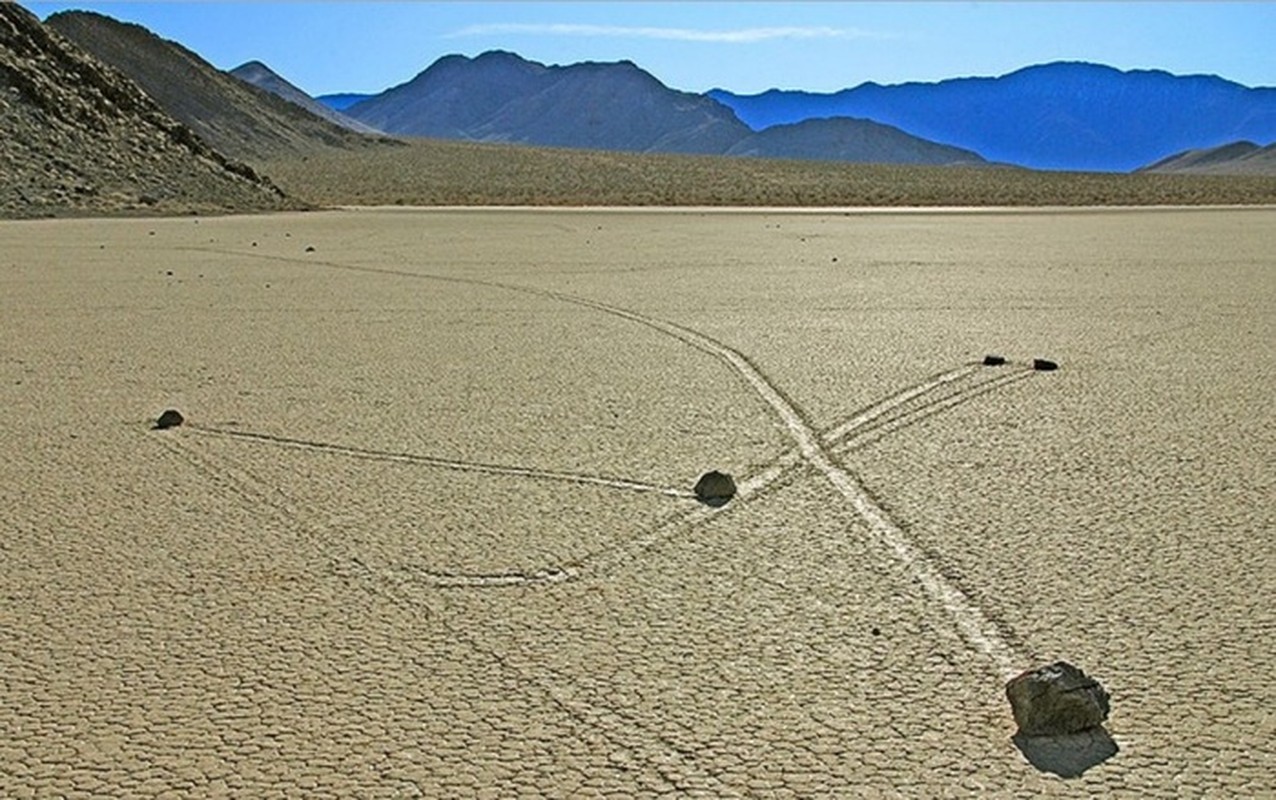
[(169, 419), (715, 488), (1056, 699), (991, 360), (1044, 365)]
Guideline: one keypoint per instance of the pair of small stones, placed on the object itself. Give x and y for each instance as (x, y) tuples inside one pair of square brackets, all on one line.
[(1039, 364)]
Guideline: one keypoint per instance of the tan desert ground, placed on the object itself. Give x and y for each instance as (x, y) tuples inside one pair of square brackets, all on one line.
[(427, 530)]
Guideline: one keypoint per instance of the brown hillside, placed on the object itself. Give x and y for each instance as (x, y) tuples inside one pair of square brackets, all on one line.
[(1236, 158), (853, 140), (238, 119), (78, 137), (263, 77)]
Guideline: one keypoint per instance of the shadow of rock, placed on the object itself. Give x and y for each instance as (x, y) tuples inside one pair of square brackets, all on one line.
[(714, 502), (1067, 755)]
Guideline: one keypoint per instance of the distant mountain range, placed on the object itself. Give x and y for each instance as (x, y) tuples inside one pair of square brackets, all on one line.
[(100, 116), (342, 100), (1065, 115), (502, 97), (1058, 116), (499, 96)]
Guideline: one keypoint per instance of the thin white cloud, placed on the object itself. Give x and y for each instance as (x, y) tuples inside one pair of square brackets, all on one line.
[(736, 36)]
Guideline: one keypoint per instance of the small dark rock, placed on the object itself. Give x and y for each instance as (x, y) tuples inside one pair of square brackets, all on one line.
[(310, 249), (715, 488), (877, 631), (168, 272), (1056, 699), (994, 361), (1044, 365), (169, 419)]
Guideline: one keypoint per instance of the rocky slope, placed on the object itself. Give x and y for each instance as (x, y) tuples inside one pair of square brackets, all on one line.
[(78, 137), (1237, 158), (238, 119), (263, 77)]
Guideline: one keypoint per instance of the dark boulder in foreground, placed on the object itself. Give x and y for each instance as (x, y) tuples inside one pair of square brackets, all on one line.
[(1044, 365), (169, 419), (715, 488), (1055, 700), (991, 360)]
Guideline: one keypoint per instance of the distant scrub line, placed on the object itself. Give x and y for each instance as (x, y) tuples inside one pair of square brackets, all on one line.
[(432, 173)]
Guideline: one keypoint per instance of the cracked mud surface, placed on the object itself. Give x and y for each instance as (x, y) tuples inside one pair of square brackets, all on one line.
[(428, 529)]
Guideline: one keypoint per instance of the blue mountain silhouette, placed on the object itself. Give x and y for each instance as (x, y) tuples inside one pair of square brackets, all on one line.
[(1063, 115)]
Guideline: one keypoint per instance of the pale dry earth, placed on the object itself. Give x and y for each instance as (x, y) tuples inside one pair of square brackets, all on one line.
[(427, 532)]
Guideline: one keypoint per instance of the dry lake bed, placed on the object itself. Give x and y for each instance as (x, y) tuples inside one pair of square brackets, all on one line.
[(427, 530)]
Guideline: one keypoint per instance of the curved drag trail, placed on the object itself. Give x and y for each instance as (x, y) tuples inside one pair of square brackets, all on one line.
[(878, 420), (443, 463), (678, 767), (875, 420), (855, 426), (975, 627)]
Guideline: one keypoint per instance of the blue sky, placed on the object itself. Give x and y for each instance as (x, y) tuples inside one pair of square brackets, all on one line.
[(746, 47)]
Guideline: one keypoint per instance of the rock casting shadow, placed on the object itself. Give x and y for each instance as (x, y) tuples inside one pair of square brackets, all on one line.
[(1067, 755), (169, 419)]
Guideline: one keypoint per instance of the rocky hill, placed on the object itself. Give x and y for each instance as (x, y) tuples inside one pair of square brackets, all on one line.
[(1236, 158), (236, 118), (263, 77), (502, 97), (854, 140), (78, 137)]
